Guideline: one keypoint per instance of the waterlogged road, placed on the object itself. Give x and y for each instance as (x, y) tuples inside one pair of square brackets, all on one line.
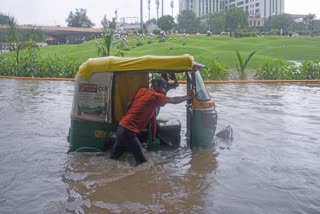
[(272, 165)]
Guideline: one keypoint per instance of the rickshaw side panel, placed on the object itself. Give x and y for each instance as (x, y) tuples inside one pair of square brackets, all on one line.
[(92, 129), (88, 136), (91, 115)]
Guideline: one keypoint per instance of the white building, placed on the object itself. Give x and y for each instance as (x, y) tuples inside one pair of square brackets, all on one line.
[(255, 8), (200, 7)]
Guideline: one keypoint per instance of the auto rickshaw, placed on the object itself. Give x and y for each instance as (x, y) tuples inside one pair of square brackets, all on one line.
[(104, 86)]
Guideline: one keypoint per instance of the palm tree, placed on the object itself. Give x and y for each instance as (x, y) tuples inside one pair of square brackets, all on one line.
[(243, 64), (105, 45), (12, 33), (171, 5), (17, 41)]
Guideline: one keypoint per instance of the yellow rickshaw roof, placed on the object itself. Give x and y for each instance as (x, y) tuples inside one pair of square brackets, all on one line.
[(144, 63)]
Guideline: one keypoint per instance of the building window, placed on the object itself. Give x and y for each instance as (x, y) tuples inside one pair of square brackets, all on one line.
[(240, 3)]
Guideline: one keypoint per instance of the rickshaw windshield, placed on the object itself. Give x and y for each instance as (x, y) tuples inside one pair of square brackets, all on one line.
[(201, 91)]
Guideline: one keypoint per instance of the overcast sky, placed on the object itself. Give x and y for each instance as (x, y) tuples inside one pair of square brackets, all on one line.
[(54, 12)]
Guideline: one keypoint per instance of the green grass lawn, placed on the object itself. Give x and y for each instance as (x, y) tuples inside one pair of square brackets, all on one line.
[(221, 49)]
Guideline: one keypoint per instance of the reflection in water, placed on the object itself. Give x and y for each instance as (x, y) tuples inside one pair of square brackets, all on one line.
[(171, 182), (226, 134), (271, 166)]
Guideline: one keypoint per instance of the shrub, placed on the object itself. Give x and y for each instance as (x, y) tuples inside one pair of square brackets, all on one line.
[(273, 69), (245, 34), (213, 70), (39, 67), (279, 70), (139, 43), (310, 69), (156, 31)]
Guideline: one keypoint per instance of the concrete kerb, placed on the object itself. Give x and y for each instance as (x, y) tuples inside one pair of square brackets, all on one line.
[(181, 81)]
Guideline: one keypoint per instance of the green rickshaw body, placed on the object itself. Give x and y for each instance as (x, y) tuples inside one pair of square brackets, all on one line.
[(88, 136), (103, 88), (203, 126), (201, 113)]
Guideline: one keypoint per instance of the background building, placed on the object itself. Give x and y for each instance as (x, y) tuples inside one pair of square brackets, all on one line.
[(200, 7), (258, 10)]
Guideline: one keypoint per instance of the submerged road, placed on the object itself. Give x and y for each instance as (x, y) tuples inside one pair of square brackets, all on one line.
[(271, 166)]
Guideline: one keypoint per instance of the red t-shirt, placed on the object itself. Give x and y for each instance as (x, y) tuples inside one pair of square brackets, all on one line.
[(143, 109)]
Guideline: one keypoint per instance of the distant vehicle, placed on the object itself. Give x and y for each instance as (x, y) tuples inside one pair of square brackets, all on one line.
[(225, 33), (295, 35), (5, 48)]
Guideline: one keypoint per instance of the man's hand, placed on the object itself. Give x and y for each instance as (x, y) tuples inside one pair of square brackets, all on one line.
[(176, 83), (176, 100), (189, 97), (191, 94)]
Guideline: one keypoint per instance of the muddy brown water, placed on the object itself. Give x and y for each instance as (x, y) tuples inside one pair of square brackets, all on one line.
[(271, 166)]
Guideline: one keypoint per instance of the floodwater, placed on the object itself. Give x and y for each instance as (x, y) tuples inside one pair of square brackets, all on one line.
[(271, 166)]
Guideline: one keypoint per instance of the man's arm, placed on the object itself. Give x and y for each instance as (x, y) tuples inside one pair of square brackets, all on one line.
[(176, 100)]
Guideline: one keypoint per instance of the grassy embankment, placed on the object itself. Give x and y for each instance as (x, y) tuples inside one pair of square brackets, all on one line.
[(203, 48)]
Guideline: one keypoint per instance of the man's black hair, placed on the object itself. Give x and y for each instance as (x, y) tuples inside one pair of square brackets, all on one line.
[(169, 75), (158, 81)]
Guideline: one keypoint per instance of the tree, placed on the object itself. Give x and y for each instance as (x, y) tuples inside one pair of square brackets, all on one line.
[(113, 24), (19, 42), (79, 18), (308, 21), (188, 22), (235, 18), (14, 37), (316, 26), (298, 27), (217, 22), (4, 19), (284, 22), (151, 21), (166, 23), (105, 22)]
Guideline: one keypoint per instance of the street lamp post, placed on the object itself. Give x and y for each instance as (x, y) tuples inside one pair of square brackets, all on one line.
[(162, 7), (141, 14)]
